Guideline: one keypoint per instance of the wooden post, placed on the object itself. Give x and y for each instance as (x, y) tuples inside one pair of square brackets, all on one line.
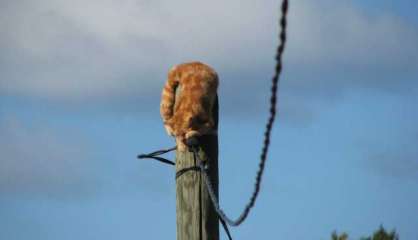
[(196, 216)]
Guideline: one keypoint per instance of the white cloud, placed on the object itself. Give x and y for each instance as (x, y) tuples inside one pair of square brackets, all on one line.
[(108, 49), (340, 33)]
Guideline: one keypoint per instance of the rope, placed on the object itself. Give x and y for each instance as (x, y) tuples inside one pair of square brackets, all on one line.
[(154, 155), (184, 170), (266, 143), (226, 229), (267, 135)]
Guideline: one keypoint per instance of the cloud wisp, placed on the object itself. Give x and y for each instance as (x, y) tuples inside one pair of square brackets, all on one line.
[(90, 50)]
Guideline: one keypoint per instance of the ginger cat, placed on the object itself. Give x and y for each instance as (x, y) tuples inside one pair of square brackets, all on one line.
[(191, 113)]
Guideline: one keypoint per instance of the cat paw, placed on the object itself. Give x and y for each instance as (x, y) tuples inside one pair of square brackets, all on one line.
[(192, 133), (169, 130), (181, 146)]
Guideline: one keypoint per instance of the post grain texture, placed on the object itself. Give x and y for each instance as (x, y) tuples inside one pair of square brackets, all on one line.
[(196, 216)]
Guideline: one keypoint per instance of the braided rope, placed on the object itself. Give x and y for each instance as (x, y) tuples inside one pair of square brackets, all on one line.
[(266, 143), (267, 135)]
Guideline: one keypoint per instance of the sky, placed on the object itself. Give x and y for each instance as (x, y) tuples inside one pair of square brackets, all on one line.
[(80, 85)]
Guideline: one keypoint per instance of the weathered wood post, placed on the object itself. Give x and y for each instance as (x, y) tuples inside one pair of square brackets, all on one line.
[(196, 216)]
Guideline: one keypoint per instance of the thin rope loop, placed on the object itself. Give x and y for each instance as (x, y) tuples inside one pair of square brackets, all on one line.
[(154, 155)]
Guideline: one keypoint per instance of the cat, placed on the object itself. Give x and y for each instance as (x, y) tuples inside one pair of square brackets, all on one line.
[(187, 101)]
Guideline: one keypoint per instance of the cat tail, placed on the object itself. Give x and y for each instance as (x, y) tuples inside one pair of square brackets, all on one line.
[(168, 96)]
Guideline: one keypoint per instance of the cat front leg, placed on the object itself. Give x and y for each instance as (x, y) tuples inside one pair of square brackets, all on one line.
[(169, 130), (181, 146)]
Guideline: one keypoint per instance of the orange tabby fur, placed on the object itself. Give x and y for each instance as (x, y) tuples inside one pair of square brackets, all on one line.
[(191, 113)]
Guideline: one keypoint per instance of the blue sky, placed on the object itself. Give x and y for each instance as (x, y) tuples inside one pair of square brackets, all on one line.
[(80, 86)]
